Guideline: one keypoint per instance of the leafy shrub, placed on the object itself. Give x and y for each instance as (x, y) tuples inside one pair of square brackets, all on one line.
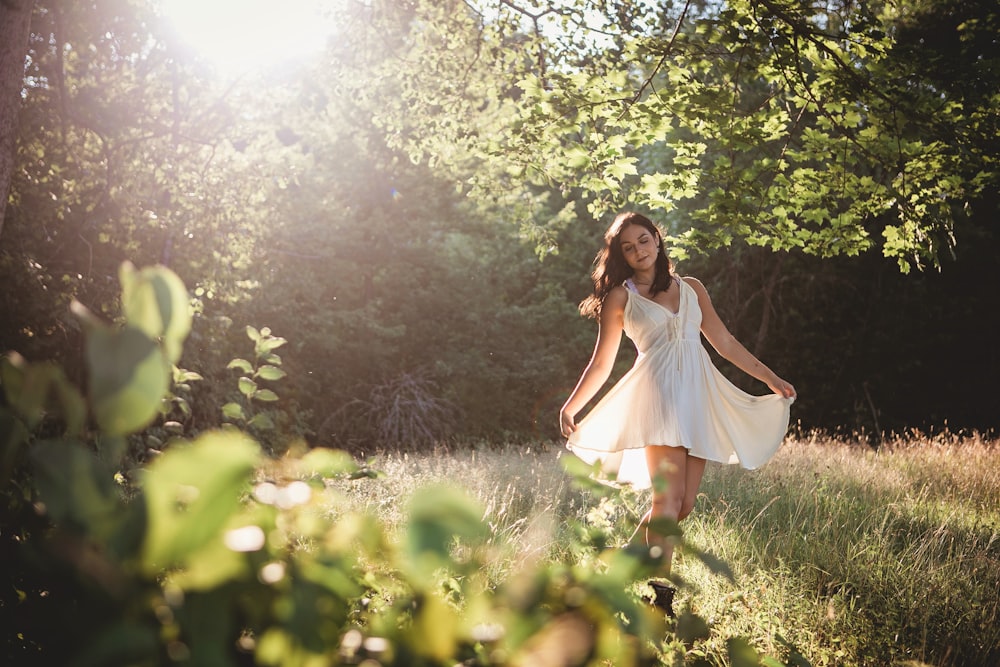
[(249, 410)]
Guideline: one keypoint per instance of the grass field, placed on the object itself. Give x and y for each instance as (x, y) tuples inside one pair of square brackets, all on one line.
[(850, 555)]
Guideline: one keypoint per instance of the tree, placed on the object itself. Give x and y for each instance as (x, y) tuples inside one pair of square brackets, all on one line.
[(279, 200), (389, 272), (15, 23), (794, 125), (126, 149)]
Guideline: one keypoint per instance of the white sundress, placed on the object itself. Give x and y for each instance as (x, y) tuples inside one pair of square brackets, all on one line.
[(674, 396)]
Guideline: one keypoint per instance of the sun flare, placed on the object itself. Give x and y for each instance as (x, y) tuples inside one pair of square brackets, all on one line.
[(237, 36)]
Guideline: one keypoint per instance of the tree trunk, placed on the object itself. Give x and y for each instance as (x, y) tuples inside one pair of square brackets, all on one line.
[(767, 294), (15, 26)]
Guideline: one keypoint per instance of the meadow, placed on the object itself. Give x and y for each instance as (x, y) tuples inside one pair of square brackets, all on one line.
[(841, 553)]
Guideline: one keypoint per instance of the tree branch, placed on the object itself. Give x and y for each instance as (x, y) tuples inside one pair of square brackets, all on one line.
[(649, 80)]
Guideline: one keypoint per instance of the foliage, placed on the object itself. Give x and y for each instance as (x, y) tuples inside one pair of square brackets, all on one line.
[(125, 150), (791, 125), (203, 565), (247, 413), (268, 196), (391, 273)]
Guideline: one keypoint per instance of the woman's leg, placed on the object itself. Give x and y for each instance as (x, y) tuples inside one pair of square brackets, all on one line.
[(678, 475), (695, 469)]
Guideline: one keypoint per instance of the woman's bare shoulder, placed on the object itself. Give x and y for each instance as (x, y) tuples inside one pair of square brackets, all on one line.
[(695, 284), (617, 297)]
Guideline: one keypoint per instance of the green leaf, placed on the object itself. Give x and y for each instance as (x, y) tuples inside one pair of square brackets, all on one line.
[(793, 657), (665, 527), (71, 403), (12, 371), (335, 577), (30, 390), (439, 515), (577, 467), (241, 364), (253, 334), (436, 630), (270, 373), (274, 645), (192, 491), (326, 462), (264, 395), (261, 421), (155, 301), (13, 436), (129, 375), (206, 618), (265, 345), (741, 653), (233, 411), (139, 302), (585, 475), (25, 387), (77, 490), (247, 386), (530, 86), (577, 157), (621, 168), (212, 567)]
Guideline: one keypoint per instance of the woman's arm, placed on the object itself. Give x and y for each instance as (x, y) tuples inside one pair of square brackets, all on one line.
[(609, 337), (730, 348)]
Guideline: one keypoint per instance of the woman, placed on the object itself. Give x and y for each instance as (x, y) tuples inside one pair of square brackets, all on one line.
[(673, 410)]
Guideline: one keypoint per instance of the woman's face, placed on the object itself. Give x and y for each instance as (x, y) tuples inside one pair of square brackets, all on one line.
[(639, 246)]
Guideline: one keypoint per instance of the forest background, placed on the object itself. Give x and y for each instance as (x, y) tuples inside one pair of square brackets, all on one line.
[(380, 240), (416, 207)]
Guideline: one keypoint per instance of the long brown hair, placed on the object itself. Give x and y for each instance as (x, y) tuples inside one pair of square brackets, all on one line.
[(611, 269)]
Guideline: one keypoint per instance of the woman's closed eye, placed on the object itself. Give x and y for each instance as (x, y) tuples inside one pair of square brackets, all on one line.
[(644, 240)]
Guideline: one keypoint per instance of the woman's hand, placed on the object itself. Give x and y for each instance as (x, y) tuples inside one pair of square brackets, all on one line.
[(782, 388), (567, 423)]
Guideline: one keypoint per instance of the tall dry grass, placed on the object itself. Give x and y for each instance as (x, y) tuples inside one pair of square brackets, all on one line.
[(850, 555), (863, 557), (525, 496)]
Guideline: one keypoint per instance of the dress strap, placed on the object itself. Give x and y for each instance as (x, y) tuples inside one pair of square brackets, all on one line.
[(631, 285)]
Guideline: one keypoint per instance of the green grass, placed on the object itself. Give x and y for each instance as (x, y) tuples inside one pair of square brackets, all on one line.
[(860, 557), (851, 556), (525, 496)]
